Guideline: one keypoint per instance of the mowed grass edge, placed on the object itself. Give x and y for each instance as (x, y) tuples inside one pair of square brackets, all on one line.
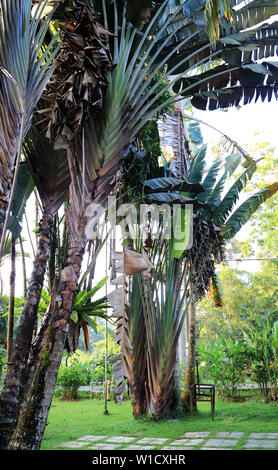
[(73, 419)]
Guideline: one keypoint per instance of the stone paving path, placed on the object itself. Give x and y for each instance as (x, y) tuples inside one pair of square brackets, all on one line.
[(188, 441)]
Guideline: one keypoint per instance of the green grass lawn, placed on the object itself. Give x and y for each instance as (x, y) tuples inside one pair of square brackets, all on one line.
[(71, 420)]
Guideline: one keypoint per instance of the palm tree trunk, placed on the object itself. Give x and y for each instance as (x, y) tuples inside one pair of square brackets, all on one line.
[(52, 256), (37, 345), (9, 403), (176, 369), (176, 387), (31, 425), (191, 354), (182, 348), (11, 305)]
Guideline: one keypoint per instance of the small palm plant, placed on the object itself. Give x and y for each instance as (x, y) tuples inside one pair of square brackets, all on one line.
[(84, 314)]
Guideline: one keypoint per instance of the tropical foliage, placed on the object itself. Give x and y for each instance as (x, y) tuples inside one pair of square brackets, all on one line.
[(117, 66), (224, 364)]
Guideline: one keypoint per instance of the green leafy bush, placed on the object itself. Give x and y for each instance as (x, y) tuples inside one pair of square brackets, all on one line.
[(224, 363), (262, 338), (70, 378)]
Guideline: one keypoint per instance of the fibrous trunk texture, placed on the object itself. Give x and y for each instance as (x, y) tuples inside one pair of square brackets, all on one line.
[(37, 345), (10, 403), (31, 425)]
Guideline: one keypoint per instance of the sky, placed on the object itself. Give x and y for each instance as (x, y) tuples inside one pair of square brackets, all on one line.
[(239, 124)]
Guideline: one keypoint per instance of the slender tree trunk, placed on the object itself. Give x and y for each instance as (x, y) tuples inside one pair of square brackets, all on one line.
[(9, 403), (52, 256), (11, 305), (191, 354), (37, 345), (36, 217), (177, 388), (182, 348), (176, 370), (23, 266), (31, 425)]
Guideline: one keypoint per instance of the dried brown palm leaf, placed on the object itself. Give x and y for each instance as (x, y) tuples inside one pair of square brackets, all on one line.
[(206, 240), (172, 134), (79, 83)]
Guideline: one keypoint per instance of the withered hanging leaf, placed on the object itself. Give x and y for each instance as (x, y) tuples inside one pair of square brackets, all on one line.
[(205, 241), (79, 82)]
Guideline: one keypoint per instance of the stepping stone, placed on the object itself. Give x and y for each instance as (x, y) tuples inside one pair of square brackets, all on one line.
[(177, 448), (152, 440), (120, 439), (265, 444), (229, 434), (73, 444), (196, 434), (103, 446), (220, 443), (187, 442), (214, 448), (91, 438), (173, 421), (264, 435), (136, 447)]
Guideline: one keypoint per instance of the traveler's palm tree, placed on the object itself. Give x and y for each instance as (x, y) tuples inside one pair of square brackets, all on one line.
[(215, 221), (97, 132)]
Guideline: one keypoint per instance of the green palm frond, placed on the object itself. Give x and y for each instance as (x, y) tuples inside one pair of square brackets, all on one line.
[(246, 209), (49, 169), (137, 90), (209, 180), (198, 166), (173, 184), (162, 314), (231, 197), (84, 314), (24, 188), (231, 164)]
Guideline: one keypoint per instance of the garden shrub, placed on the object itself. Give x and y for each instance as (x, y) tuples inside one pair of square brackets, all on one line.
[(224, 363), (70, 378)]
